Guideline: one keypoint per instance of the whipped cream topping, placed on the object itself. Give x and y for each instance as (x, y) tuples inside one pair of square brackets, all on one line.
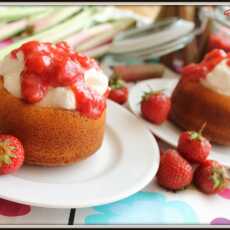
[(11, 69), (61, 97), (219, 78), (96, 80)]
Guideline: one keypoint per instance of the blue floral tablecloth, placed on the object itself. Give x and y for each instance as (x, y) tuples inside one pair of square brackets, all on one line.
[(152, 205)]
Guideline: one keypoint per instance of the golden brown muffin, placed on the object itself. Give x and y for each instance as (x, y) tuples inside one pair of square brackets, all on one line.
[(51, 137), (193, 104)]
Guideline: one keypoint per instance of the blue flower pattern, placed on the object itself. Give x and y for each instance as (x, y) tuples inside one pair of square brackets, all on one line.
[(144, 208)]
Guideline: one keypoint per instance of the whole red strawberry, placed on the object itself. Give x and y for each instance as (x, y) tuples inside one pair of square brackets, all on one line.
[(155, 106), (193, 146), (118, 92), (11, 154), (210, 177), (175, 172)]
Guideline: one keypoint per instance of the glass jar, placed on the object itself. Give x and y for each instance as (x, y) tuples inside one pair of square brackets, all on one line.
[(219, 37)]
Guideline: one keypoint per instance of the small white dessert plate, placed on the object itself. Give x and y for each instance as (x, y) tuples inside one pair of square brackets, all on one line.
[(126, 162), (168, 131)]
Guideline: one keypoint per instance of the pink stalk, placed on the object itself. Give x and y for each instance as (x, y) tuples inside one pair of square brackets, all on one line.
[(98, 51), (105, 36), (101, 39), (12, 28), (85, 35), (6, 42), (54, 18)]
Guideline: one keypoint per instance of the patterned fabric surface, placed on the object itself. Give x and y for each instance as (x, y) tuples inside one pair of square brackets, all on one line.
[(152, 205)]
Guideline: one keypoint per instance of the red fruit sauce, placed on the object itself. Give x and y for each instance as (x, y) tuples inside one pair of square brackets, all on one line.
[(217, 41), (199, 71), (48, 65)]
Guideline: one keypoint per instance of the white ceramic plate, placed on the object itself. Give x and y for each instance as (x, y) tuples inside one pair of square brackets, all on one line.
[(126, 162), (168, 131)]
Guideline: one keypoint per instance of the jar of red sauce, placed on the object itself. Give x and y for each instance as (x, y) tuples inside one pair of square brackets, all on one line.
[(220, 29)]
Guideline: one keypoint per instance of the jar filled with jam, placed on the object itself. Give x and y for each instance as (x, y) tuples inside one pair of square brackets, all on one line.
[(219, 37)]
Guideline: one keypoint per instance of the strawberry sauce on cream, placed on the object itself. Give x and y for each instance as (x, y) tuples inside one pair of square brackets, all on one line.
[(50, 66), (213, 72)]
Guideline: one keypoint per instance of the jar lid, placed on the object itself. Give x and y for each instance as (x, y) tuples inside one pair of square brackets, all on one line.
[(221, 15), (154, 40)]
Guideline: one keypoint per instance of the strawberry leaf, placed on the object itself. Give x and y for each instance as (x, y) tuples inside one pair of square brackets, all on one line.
[(11, 155), (12, 147), (7, 160), (147, 94), (217, 178), (6, 154), (195, 135), (116, 83)]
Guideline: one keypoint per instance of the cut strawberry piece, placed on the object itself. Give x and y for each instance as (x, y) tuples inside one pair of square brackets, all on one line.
[(85, 61), (39, 63), (66, 73), (194, 72), (213, 58), (33, 89), (63, 45)]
